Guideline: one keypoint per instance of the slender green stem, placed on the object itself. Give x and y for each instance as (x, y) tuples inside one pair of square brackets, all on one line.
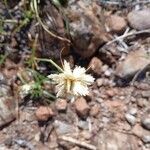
[(22, 80), (50, 61), (49, 94), (3, 58), (9, 20)]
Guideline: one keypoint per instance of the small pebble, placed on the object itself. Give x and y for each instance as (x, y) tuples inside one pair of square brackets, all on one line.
[(8, 142), (130, 119), (83, 125), (95, 65), (138, 130), (145, 94), (139, 19), (134, 59), (146, 139), (110, 92), (108, 73), (104, 68), (82, 107), (116, 23), (43, 113), (146, 123), (94, 110), (141, 102), (86, 134), (133, 111), (61, 104), (99, 82), (63, 128), (143, 86), (105, 120)]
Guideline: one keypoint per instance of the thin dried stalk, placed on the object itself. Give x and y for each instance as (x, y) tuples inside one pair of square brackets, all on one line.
[(35, 9), (77, 142)]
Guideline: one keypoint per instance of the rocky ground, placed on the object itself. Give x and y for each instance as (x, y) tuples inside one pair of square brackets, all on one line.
[(112, 37)]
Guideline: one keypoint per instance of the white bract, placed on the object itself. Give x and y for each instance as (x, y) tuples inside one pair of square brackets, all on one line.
[(72, 81), (25, 90)]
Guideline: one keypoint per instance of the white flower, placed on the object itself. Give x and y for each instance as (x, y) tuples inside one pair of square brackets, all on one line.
[(72, 82), (25, 90)]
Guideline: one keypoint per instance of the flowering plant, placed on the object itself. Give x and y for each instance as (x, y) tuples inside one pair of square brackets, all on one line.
[(73, 82)]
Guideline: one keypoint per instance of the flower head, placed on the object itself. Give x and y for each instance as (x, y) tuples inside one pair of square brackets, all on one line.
[(25, 90), (72, 81)]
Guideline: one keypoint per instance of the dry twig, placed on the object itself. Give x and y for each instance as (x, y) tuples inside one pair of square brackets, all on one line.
[(79, 143), (127, 35)]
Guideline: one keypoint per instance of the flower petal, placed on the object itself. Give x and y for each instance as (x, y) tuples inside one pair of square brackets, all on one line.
[(67, 68), (87, 79), (80, 89), (57, 78), (78, 71), (60, 92), (53, 76)]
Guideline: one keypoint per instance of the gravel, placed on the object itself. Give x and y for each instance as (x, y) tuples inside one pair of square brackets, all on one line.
[(130, 119), (146, 123), (146, 139)]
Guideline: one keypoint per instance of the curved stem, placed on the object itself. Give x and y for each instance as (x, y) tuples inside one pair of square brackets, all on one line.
[(43, 25), (50, 61)]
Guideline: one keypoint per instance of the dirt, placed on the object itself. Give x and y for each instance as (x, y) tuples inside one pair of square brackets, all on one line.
[(116, 113)]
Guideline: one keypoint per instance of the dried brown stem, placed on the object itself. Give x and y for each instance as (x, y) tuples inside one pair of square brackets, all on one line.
[(77, 142), (127, 35)]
